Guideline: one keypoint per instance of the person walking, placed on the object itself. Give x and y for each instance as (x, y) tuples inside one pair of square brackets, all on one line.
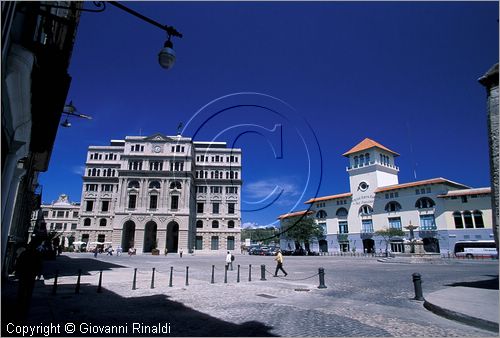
[(180, 253), (229, 261), (279, 265)]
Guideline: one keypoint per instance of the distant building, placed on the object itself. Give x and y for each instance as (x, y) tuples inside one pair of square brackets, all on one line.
[(444, 211), (164, 192), (60, 216)]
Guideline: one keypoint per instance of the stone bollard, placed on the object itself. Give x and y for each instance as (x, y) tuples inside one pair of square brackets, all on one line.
[(417, 283), (153, 279), (321, 278), (134, 280), (171, 274), (262, 272), (187, 275), (238, 276), (213, 271), (77, 288), (249, 272), (225, 273), (99, 286), (54, 288)]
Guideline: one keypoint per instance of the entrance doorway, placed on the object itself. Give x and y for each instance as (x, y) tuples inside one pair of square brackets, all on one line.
[(172, 237), (368, 245), (149, 237), (323, 245), (431, 244), (128, 235)]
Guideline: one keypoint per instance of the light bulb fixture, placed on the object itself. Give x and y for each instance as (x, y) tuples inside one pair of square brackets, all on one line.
[(70, 110), (66, 123), (166, 56)]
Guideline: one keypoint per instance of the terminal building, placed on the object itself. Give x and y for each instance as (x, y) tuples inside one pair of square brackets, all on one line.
[(162, 192), (444, 211)]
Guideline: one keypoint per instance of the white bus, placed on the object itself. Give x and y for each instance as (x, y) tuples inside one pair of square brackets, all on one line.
[(471, 249)]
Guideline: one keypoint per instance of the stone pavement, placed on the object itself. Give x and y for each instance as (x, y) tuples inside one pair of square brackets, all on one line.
[(292, 306)]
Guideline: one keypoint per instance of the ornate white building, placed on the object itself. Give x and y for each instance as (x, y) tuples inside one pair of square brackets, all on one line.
[(443, 210), (164, 192)]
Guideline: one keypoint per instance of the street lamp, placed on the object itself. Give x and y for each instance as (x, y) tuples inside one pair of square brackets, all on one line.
[(71, 110)]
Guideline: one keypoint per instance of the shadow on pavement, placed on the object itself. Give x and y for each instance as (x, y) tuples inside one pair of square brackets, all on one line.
[(491, 284), (68, 266)]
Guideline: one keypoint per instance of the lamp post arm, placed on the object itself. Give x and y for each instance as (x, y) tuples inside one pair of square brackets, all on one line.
[(169, 29)]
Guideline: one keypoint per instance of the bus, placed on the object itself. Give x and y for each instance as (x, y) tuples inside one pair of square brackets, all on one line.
[(471, 249)]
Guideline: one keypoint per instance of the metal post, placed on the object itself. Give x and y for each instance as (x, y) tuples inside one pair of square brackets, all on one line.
[(77, 288), (417, 283), (99, 286), (171, 273), (249, 272), (187, 275), (321, 278), (213, 280), (153, 279), (54, 288), (225, 273), (262, 272), (135, 278), (238, 276)]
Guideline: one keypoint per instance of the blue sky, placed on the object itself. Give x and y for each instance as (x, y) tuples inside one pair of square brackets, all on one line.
[(327, 74)]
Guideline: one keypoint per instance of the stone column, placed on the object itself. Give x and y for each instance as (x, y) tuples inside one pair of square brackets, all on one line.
[(490, 81)]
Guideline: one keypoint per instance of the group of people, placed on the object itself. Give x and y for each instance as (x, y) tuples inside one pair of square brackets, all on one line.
[(278, 259)]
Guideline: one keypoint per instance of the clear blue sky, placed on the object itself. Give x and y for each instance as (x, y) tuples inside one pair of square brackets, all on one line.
[(331, 73)]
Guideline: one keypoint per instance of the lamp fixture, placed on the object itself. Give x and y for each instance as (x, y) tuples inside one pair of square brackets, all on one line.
[(70, 110)]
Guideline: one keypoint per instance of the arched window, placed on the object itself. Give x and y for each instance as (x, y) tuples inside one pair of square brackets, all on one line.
[(134, 184), (215, 224), (478, 219), (94, 171), (392, 206), (342, 212), (230, 224), (102, 222), (424, 203), (216, 174), (89, 172), (154, 185), (468, 219), (457, 217), (86, 222), (321, 214), (199, 223), (361, 160), (367, 158), (365, 210), (356, 161), (175, 185)]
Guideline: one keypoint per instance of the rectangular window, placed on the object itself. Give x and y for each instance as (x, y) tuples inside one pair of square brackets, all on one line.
[(201, 189), (174, 203), (45, 213), (215, 208), (199, 243), (395, 223), (131, 201), (230, 208), (367, 226), (75, 214), (343, 227), (85, 238), (199, 208), (58, 226), (427, 223), (60, 214), (89, 206), (214, 243), (230, 243), (153, 202), (105, 206), (73, 226), (464, 199)]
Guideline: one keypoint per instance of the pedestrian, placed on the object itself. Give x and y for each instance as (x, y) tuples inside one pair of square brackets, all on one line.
[(96, 251), (180, 253), (119, 251), (229, 261), (279, 266), (166, 251)]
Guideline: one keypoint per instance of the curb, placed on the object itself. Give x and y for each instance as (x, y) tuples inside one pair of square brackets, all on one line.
[(460, 317)]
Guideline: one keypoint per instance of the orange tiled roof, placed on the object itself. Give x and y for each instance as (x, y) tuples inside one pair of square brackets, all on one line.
[(419, 183), (477, 191), (367, 144), (325, 198), (296, 213)]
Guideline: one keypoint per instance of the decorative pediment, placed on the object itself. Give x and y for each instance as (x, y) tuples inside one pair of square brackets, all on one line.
[(216, 198), (157, 138), (232, 198)]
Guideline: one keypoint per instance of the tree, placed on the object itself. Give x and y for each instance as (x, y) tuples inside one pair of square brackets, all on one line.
[(264, 235), (387, 234), (301, 230)]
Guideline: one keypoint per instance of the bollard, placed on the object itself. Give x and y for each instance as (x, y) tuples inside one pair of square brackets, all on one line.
[(77, 288), (99, 286), (213, 280), (171, 273), (321, 278), (187, 275), (225, 273), (54, 288), (153, 279), (262, 272), (238, 276), (417, 283), (135, 277), (249, 272)]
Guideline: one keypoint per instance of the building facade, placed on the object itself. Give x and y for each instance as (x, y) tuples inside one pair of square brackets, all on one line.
[(444, 211), (162, 192)]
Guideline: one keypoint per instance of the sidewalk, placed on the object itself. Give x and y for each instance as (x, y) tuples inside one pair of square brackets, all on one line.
[(472, 306)]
